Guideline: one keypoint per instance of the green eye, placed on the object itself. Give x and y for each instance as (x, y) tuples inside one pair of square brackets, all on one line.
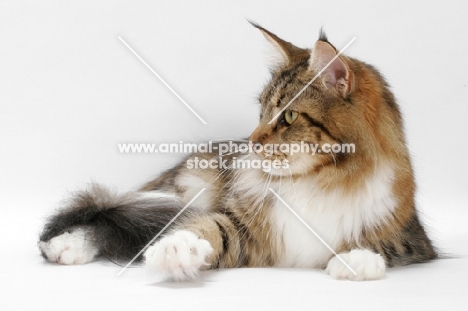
[(290, 116)]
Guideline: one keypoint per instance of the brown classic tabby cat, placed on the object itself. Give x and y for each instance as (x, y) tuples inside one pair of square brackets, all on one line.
[(360, 203)]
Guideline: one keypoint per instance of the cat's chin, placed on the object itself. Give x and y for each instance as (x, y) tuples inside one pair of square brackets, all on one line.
[(299, 165), (280, 173), (285, 173), (300, 169)]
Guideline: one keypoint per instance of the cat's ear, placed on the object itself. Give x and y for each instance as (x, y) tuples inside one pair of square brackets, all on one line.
[(337, 76), (288, 52)]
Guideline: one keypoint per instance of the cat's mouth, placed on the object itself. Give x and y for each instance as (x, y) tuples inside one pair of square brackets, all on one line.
[(281, 164)]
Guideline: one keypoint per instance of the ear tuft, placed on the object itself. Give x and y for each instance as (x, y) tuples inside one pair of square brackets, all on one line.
[(289, 52), (323, 35)]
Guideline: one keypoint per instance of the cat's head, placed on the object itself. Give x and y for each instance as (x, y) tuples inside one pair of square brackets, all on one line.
[(345, 112)]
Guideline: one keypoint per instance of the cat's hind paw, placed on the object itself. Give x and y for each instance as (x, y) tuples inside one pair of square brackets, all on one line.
[(179, 256), (367, 265), (69, 248)]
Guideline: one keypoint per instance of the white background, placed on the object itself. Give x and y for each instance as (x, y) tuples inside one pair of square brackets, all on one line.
[(70, 91)]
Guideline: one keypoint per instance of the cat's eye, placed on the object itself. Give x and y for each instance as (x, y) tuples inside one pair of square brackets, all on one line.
[(290, 116)]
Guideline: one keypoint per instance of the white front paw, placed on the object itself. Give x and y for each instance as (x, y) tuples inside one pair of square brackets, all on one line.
[(69, 248), (367, 265), (179, 255)]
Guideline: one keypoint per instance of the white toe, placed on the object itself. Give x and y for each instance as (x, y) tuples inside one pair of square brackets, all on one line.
[(366, 264), (179, 255), (69, 248)]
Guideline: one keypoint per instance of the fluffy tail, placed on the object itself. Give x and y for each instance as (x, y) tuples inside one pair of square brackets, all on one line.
[(120, 225)]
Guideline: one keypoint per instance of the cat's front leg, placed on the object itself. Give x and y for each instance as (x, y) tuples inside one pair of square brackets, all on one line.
[(179, 255), (366, 264)]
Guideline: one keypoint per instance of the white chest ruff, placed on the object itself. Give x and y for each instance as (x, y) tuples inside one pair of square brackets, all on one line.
[(336, 217)]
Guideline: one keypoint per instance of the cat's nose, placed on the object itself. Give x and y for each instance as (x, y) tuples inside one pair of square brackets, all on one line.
[(258, 137)]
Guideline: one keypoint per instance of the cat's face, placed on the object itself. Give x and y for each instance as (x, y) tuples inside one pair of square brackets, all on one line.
[(318, 122)]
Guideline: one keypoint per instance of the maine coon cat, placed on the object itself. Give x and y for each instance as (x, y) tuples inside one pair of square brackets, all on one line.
[(360, 203)]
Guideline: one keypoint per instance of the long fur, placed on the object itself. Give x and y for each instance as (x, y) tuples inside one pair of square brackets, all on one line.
[(119, 225)]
